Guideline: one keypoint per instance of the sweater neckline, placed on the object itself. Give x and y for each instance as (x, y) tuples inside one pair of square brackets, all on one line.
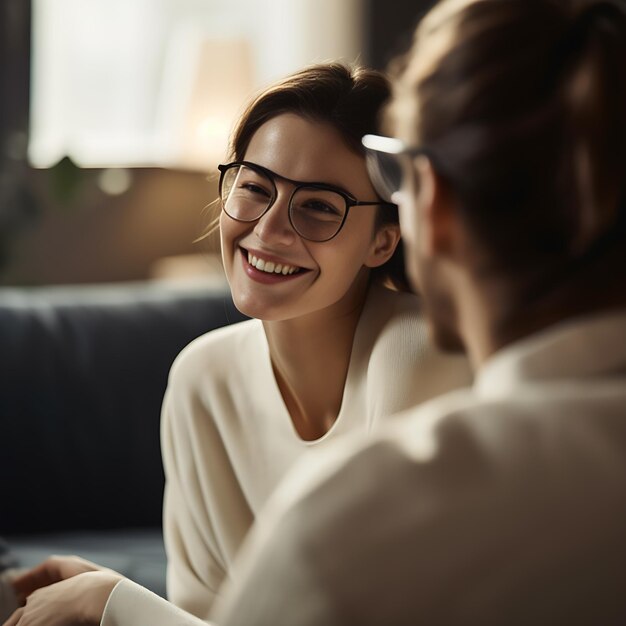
[(354, 378)]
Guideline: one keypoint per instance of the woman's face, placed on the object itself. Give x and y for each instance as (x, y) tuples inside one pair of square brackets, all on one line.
[(331, 276)]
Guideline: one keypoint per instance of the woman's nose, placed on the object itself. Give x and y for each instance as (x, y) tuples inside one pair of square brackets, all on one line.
[(274, 225)]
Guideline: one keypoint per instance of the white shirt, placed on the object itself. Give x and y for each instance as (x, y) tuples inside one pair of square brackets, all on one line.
[(228, 438), (501, 505)]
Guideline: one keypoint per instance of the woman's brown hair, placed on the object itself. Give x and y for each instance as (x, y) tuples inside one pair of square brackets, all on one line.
[(348, 98), (522, 106)]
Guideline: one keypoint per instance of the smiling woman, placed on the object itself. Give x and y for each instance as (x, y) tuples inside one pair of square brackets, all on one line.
[(310, 252), (306, 225)]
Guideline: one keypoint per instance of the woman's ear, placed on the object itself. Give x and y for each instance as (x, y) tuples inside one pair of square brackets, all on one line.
[(383, 245)]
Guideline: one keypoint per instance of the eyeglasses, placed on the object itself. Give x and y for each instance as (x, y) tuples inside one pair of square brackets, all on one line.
[(383, 157), (317, 211)]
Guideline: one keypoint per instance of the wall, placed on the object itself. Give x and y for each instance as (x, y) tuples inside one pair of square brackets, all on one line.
[(57, 226), (91, 237)]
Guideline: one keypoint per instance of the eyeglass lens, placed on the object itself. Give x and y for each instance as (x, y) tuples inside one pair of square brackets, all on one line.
[(316, 213), (385, 172)]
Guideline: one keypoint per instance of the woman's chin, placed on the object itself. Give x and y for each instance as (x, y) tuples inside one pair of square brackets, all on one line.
[(252, 305)]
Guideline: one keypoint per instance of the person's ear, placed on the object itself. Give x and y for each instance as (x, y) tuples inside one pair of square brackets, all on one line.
[(384, 244), (436, 206)]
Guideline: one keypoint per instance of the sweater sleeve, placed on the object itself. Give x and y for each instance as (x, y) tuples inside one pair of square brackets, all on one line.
[(195, 570), (207, 511), (132, 605), (279, 586)]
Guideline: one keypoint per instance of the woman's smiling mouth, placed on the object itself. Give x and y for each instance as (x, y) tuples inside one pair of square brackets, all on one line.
[(270, 267), (267, 270)]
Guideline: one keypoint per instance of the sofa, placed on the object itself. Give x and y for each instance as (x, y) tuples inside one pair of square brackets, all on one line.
[(82, 376)]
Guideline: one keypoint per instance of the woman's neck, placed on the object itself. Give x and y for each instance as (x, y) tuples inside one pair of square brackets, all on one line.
[(310, 357)]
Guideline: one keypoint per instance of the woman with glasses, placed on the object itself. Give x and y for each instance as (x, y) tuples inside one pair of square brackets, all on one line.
[(307, 246), (337, 343)]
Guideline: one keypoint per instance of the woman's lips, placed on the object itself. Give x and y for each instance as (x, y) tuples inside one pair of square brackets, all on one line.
[(269, 271), (271, 267)]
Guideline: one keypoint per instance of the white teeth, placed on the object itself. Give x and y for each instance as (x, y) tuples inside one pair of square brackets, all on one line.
[(270, 267)]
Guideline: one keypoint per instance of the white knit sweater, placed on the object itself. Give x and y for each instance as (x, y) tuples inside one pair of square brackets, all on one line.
[(228, 439)]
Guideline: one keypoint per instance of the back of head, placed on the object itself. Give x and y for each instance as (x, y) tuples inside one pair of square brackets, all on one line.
[(347, 98), (522, 106)]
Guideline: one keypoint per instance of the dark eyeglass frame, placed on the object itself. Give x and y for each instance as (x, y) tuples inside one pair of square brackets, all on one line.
[(379, 147), (349, 199)]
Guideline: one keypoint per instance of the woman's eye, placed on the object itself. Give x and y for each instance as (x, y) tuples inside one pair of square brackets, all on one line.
[(317, 206), (254, 189)]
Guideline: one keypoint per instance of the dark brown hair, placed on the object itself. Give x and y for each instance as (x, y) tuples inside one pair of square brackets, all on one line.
[(348, 98), (523, 111)]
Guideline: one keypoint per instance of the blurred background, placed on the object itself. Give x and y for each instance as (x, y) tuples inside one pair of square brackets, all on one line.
[(115, 113)]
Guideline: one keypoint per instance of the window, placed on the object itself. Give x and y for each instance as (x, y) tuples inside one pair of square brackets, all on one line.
[(159, 82)]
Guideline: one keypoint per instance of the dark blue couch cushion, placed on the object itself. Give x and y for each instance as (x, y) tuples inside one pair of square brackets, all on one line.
[(82, 377)]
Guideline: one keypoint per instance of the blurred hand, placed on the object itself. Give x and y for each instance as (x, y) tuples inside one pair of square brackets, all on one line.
[(78, 600), (52, 570)]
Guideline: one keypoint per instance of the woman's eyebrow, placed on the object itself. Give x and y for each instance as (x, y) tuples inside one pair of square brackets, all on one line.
[(336, 186), (314, 182)]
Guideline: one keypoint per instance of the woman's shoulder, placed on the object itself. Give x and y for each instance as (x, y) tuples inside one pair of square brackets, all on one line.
[(390, 309), (393, 318), (404, 356), (392, 330), (206, 381), (212, 352)]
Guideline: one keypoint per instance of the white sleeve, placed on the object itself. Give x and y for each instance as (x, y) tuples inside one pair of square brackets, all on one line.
[(131, 604), (277, 585), (276, 580), (194, 570)]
